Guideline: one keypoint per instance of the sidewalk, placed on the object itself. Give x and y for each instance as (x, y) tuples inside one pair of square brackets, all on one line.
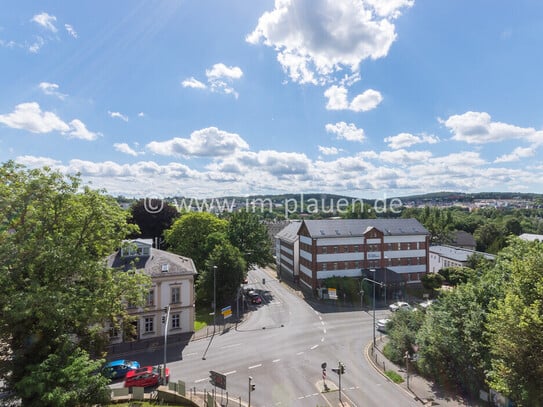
[(423, 390)]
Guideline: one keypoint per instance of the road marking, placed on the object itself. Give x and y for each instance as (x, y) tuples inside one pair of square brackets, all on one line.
[(230, 372), (324, 330), (201, 380), (255, 366), (191, 354), (314, 347), (231, 346), (275, 360), (322, 322), (300, 353), (322, 339)]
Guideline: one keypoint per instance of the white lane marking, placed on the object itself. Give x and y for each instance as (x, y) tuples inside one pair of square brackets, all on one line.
[(275, 360), (322, 339), (230, 372), (300, 353), (324, 331), (314, 347), (201, 380), (191, 354), (255, 366), (231, 346), (322, 322)]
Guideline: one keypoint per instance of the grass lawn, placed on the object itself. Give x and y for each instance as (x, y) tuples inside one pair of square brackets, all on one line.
[(203, 318)]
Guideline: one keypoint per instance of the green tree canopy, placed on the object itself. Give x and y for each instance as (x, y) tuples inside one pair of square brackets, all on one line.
[(250, 236), (189, 233), (515, 324), (153, 216), (57, 292)]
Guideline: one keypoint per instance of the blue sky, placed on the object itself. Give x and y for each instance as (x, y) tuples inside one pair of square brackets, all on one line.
[(368, 98)]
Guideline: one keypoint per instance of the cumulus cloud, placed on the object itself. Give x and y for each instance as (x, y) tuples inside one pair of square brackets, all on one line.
[(51, 89), (37, 162), (30, 117), (329, 150), (208, 142), (516, 155), (46, 21), (36, 45), (403, 157), (117, 115), (337, 99), (70, 29), (126, 149), (316, 38), (193, 83), (404, 140), (219, 79), (478, 128), (346, 131)]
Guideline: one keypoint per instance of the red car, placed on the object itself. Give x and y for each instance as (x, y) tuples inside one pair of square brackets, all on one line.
[(147, 376)]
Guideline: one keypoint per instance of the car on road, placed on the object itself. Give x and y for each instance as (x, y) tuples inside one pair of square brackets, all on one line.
[(382, 325), (254, 297), (118, 369), (399, 305), (147, 376)]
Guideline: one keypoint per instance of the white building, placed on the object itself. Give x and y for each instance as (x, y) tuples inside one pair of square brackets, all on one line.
[(449, 256), (172, 284)]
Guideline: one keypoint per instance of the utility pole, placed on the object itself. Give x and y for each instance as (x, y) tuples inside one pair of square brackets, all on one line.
[(251, 389), (380, 284), (166, 323), (214, 298)]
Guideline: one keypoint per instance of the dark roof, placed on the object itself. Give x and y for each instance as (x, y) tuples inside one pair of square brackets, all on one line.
[(152, 264), (463, 238), (289, 232), (357, 227)]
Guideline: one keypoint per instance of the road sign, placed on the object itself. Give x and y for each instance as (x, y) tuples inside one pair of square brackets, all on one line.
[(217, 379), (332, 293), (226, 312)]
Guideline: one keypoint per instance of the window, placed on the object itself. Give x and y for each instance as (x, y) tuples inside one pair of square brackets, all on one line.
[(150, 300), (113, 332), (324, 249), (176, 295), (325, 266), (176, 321), (336, 249), (149, 324), (335, 266)]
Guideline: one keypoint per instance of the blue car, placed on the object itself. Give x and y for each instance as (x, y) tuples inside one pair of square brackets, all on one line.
[(117, 369)]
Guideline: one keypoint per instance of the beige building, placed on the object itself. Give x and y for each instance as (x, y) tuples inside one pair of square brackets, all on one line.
[(172, 284)]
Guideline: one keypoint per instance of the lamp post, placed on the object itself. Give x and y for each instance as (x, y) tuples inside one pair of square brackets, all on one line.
[(214, 297), (166, 323), (380, 284)]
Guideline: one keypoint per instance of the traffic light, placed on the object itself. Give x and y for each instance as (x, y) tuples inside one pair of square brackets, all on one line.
[(165, 310), (163, 319), (341, 368), (253, 387), (263, 281)]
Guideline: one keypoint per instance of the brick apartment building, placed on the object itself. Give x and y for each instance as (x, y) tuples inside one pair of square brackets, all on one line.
[(389, 250)]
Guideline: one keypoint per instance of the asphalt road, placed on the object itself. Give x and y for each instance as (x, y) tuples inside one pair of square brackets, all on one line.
[(282, 344)]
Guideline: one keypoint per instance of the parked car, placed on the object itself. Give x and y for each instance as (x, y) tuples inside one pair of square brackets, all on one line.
[(147, 376), (118, 369), (382, 325), (426, 304), (399, 305)]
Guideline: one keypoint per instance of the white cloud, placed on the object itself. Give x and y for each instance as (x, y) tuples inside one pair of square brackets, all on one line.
[(516, 155), (316, 38), (126, 149), (46, 21), (329, 150), (193, 83), (51, 89), (221, 71), (346, 131), (37, 162), (29, 116), (70, 30), (208, 142), (141, 114), (117, 115), (478, 128), (404, 140), (337, 99), (403, 157), (36, 45), (79, 130)]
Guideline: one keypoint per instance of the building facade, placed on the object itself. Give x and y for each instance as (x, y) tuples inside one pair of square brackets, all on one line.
[(449, 256), (357, 247), (287, 250), (172, 285)]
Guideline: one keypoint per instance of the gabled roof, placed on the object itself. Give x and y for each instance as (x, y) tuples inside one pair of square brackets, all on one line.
[(290, 232), (357, 227), (153, 264)]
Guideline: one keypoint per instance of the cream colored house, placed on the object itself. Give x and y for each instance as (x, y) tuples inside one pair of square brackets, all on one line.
[(172, 278)]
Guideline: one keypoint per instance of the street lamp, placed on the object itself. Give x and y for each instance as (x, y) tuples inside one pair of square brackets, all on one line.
[(380, 284), (214, 298)]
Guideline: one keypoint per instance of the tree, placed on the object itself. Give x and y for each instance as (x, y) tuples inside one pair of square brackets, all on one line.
[(153, 217), (359, 210), (432, 281), (250, 236), (456, 275), (57, 292), (515, 324), (188, 235), (229, 275)]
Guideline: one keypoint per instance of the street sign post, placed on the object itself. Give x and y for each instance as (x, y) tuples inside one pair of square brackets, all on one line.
[(226, 312), (217, 379)]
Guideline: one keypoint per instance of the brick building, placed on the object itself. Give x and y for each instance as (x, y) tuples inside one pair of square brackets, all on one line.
[(386, 249)]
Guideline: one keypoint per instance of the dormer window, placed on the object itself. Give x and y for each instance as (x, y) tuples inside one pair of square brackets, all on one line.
[(165, 268)]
